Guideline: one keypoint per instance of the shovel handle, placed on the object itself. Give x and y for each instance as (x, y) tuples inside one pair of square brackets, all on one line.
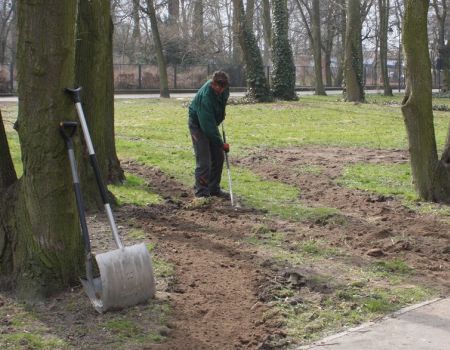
[(67, 130), (74, 93)]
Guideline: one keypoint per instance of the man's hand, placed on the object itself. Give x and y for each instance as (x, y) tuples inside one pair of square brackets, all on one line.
[(226, 147)]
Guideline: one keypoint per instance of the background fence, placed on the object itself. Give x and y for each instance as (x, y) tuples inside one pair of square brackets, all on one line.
[(143, 77)]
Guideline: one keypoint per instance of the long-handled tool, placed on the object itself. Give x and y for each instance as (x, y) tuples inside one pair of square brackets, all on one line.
[(67, 130), (126, 273), (227, 161)]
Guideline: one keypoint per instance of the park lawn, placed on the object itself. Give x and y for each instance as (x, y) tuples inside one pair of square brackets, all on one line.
[(154, 132)]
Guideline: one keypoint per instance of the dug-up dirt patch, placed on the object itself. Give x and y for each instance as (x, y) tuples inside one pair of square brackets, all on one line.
[(374, 224), (219, 295)]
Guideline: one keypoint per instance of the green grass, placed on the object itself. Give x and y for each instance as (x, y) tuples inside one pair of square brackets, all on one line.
[(135, 191), (396, 266), (346, 305), (26, 340), (392, 179)]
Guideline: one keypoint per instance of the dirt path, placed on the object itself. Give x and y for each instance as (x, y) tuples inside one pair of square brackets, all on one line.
[(218, 277), (215, 293)]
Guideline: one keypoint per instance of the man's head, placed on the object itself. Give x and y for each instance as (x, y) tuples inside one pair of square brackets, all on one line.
[(219, 81)]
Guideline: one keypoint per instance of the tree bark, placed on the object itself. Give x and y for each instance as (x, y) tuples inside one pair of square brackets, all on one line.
[(283, 74), (342, 34), (440, 8), (431, 175), (198, 26), (353, 64), (94, 72), (41, 249), (317, 47), (163, 79), (237, 51), (383, 8), (267, 31), (257, 87)]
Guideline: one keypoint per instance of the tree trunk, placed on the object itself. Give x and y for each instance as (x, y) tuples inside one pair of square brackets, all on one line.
[(94, 72), (42, 249), (198, 26), (257, 87), (431, 175), (250, 13), (267, 31), (163, 80), (440, 8), (237, 51), (283, 74), (353, 64), (342, 33), (328, 42), (384, 6), (317, 47)]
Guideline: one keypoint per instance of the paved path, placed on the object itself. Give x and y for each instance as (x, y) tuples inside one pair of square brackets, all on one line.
[(424, 326)]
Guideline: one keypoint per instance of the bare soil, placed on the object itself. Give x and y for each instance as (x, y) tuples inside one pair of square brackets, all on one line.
[(220, 292)]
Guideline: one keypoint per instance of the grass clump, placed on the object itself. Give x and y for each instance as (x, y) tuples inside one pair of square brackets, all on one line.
[(393, 179), (134, 191), (394, 266)]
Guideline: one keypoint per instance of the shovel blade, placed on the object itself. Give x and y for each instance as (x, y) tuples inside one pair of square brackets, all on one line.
[(126, 279)]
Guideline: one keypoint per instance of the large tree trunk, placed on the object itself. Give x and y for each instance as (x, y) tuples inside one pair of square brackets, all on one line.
[(353, 65), (328, 41), (267, 31), (257, 87), (283, 75), (317, 47), (163, 79), (42, 249), (431, 175), (237, 51), (250, 13), (94, 72), (383, 7), (342, 33)]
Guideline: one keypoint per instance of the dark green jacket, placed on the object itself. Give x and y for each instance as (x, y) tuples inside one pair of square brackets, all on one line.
[(207, 110)]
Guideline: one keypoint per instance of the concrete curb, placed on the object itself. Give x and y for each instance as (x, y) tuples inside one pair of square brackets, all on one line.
[(364, 327)]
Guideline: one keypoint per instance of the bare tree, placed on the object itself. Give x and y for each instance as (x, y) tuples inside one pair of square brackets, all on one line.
[(310, 13), (383, 8), (163, 79), (6, 22), (431, 175), (353, 71)]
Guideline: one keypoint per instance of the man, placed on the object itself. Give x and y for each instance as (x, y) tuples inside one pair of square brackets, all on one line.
[(206, 112)]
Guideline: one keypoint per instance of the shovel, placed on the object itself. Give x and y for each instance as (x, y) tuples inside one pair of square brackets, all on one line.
[(126, 274), (227, 161)]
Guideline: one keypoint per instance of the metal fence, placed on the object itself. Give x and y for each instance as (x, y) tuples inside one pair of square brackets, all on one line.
[(144, 77)]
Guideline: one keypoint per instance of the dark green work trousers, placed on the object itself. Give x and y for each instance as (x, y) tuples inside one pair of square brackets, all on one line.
[(209, 160)]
